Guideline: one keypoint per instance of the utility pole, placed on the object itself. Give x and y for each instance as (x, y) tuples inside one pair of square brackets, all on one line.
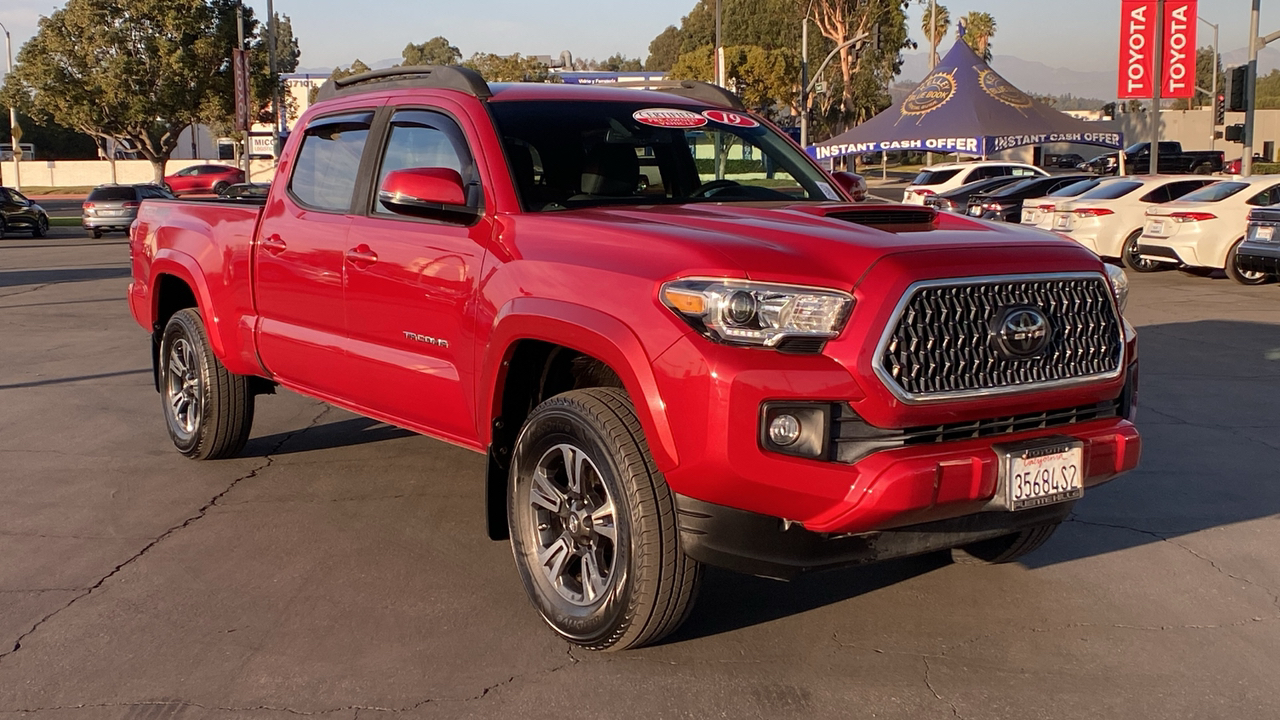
[(933, 53), (719, 58), (14, 133), (1157, 80), (275, 80), (1256, 43), (804, 81), (244, 154)]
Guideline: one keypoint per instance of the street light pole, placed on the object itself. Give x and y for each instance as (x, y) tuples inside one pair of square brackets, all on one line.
[(719, 58), (804, 82), (1250, 93), (13, 114), (1157, 80)]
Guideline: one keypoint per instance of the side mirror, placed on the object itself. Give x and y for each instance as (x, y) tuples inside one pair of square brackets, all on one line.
[(425, 192), (852, 184)]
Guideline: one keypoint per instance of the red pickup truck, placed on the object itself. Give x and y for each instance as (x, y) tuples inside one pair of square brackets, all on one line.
[(677, 339)]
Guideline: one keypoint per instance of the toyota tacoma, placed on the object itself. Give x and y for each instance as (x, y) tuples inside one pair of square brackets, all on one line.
[(677, 339)]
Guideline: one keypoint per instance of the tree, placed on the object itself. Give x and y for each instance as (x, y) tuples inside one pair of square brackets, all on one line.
[(762, 78), (141, 70), (355, 68), (843, 20), (218, 110), (664, 50), (621, 63), (436, 51), (978, 29), (508, 68), (52, 141), (934, 23)]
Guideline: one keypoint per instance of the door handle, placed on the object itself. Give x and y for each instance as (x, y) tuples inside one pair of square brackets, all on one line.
[(273, 245), (362, 256)]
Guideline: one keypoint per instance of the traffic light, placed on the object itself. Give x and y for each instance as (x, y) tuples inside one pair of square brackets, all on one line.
[(1236, 78), (1219, 110)]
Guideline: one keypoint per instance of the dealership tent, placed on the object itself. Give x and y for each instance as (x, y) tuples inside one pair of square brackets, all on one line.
[(963, 106)]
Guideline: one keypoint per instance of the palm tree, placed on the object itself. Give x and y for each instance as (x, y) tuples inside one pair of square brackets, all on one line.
[(978, 29), (938, 31)]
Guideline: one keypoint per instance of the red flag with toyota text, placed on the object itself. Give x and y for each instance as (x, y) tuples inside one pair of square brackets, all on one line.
[(1137, 48), (1178, 49)]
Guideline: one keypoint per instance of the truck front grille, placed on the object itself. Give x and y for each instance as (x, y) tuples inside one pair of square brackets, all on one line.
[(942, 342)]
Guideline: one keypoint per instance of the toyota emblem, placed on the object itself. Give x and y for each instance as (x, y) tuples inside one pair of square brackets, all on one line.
[(1020, 332)]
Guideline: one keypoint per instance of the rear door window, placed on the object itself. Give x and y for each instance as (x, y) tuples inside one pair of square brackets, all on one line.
[(327, 166), (935, 177)]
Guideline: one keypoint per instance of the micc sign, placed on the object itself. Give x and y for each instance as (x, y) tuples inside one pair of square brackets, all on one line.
[(1138, 23)]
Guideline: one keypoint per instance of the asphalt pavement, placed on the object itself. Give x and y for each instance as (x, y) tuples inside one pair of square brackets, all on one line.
[(339, 568)]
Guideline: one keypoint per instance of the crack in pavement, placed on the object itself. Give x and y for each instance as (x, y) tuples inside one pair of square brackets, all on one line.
[(269, 460), (24, 292), (483, 693), (929, 684)]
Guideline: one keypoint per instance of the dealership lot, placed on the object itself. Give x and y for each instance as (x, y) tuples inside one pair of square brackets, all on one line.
[(340, 568)]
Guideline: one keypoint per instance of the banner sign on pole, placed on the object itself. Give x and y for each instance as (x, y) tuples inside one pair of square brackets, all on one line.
[(1137, 48), (240, 70), (1178, 76)]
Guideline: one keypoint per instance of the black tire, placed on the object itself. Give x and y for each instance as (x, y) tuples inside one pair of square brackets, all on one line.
[(218, 405), (1, 228), (1202, 169), (1242, 276), (95, 234), (651, 584), (1004, 549), (1129, 256), (220, 188), (42, 227)]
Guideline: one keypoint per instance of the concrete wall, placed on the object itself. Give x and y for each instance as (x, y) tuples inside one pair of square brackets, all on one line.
[(72, 173)]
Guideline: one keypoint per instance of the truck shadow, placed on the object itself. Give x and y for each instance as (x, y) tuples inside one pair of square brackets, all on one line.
[(343, 433), (13, 278), (1208, 399)]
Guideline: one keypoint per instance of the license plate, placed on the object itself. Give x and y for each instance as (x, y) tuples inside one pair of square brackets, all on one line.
[(1156, 228), (111, 213), (1264, 232), (1061, 222), (1041, 473), (1030, 217)]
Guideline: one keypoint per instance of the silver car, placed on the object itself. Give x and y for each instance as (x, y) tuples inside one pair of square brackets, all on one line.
[(114, 207)]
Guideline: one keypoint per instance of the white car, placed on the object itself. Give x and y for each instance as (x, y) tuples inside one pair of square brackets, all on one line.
[(941, 178), (1039, 211), (1202, 229), (1108, 219)]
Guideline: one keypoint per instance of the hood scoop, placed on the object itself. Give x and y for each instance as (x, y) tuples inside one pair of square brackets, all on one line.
[(890, 218)]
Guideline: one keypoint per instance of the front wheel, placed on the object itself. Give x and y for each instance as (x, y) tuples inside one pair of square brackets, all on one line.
[(209, 410), (1244, 277), (1135, 262), (42, 227), (220, 188), (1003, 549), (593, 524)]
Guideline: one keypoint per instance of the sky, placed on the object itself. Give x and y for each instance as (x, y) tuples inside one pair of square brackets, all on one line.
[(1077, 34)]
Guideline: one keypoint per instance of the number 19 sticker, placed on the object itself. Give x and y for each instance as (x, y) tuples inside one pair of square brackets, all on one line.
[(732, 119)]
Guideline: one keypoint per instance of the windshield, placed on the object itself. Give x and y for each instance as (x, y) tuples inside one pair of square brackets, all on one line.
[(580, 154), (1215, 192), (1111, 190)]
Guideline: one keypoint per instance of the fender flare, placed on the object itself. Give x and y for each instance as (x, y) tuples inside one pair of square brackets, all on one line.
[(185, 268), (588, 331)]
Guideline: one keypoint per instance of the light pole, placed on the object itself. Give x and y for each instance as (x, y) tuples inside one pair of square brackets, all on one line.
[(14, 133), (1256, 43), (1157, 79)]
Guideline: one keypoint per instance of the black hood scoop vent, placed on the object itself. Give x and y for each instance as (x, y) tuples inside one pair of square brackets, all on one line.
[(890, 218)]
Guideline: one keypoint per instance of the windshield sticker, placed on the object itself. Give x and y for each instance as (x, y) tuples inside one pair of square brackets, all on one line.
[(669, 118), (828, 191), (733, 119)]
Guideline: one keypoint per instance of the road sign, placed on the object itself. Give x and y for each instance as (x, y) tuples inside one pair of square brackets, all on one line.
[(240, 69)]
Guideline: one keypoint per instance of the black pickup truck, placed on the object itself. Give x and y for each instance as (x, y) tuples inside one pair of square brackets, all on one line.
[(1260, 251), (1173, 160)]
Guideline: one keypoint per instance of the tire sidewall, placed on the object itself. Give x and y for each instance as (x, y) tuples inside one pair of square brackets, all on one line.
[(547, 427), (1233, 271), (1130, 259), (184, 325)]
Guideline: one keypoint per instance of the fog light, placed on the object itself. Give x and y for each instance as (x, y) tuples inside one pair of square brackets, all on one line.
[(784, 430)]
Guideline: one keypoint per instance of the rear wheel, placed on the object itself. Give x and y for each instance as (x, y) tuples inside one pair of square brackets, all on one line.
[(220, 188), (1244, 277), (209, 410), (593, 524), (1006, 548), (1129, 256), (95, 233)]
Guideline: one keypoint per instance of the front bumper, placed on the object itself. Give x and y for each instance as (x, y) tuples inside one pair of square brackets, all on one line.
[(761, 545), (1259, 257)]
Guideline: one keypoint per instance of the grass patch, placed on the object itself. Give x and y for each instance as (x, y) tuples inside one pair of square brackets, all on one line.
[(38, 190), (64, 222)]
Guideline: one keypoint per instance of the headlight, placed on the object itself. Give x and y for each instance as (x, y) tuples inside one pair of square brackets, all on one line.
[(1119, 286), (762, 314)]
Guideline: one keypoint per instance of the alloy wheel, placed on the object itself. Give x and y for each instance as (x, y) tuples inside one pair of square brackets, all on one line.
[(183, 387), (575, 529)]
